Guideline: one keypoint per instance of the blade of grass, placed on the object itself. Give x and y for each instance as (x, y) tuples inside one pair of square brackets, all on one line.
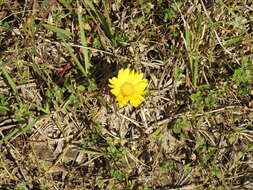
[(192, 59), (189, 45), (64, 34), (92, 152), (101, 19), (195, 71), (39, 72), (4, 109), (8, 78), (83, 40), (80, 66), (69, 100)]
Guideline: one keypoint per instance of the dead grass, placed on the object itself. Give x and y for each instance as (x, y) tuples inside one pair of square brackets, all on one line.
[(60, 127)]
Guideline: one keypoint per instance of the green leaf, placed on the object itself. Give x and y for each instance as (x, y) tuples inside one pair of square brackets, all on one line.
[(180, 124), (177, 128), (8, 78), (80, 66), (200, 142), (92, 152), (167, 166), (4, 110), (83, 41), (62, 33)]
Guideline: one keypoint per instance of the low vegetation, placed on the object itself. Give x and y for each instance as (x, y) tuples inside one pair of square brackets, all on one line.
[(61, 128)]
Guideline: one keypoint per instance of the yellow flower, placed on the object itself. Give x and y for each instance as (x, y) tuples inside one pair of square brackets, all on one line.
[(128, 86)]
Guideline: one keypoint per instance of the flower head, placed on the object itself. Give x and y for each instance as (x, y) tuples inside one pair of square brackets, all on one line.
[(128, 86)]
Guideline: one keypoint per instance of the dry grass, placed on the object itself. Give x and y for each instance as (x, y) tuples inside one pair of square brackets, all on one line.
[(60, 127)]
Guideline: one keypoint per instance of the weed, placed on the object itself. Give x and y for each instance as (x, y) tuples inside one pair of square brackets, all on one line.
[(181, 124), (243, 75), (167, 166), (4, 104), (202, 100)]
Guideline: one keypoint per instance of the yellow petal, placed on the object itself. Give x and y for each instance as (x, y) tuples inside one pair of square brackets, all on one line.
[(141, 86), (115, 91), (122, 101), (113, 80), (136, 101), (123, 74), (111, 85), (126, 74), (139, 76)]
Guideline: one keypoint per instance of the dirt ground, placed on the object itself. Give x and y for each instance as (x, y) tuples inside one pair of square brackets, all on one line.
[(61, 128)]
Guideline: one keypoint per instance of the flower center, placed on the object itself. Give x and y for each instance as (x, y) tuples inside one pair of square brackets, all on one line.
[(127, 89)]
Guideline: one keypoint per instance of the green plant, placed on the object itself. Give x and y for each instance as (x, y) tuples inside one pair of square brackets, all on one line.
[(243, 75), (117, 153), (21, 111), (4, 104), (194, 126), (181, 124), (167, 166), (171, 12), (205, 98), (178, 74), (118, 174)]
